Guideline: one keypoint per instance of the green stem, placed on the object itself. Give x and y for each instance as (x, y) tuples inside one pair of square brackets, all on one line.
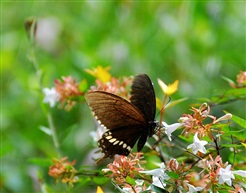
[(163, 109), (53, 133), (34, 62)]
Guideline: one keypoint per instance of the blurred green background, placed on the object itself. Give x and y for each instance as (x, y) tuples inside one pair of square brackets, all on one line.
[(194, 42)]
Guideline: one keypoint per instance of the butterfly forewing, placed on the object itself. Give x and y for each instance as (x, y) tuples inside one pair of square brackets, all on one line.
[(143, 96), (113, 111)]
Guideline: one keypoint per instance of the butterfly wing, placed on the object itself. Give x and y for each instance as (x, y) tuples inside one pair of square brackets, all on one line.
[(120, 141), (143, 96), (124, 121), (113, 111)]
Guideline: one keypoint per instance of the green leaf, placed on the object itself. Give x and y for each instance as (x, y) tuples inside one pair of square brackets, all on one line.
[(40, 161), (130, 180), (66, 132), (190, 139), (175, 102), (83, 85), (239, 121), (238, 158), (239, 134), (232, 145), (84, 180), (157, 189), (230, 95), (100, 180), (173, 175)]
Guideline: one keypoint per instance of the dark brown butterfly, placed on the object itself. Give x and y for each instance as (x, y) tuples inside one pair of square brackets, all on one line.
[(126, 121)]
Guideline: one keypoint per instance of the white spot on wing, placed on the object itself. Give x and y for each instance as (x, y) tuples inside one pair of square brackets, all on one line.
[(112, 140), (124, 145), (115, 142), (109, 137)]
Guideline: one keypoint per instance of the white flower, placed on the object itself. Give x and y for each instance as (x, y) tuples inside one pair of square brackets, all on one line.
[(224, 118), (158, 176), (225, 175), (105, 170), (240, 173), (203, 164), (197, 145), (51, 96), (137, 187), (193, 189), (171, 128)]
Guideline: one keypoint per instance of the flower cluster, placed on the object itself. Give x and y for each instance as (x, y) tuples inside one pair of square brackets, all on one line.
[(195, 123), (240, 81), (65, 92), (63, 170), (219, 172), (68, 90), (105, 82), (172, 177), (176, 177), (115, 86), (124, 169)]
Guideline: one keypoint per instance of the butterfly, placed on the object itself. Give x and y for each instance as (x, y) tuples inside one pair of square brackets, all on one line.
[(127, 121)]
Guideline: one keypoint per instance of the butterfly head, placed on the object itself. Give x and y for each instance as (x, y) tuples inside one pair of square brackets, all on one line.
[(152, 128)]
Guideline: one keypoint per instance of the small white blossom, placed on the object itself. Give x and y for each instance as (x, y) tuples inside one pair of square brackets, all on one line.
[(169, 129), (193, 189), (224, 118), (158, 176), (105, 170), (137, 188), (51, 96), (225, 175), (240, 173), (203, 164), (197, 145)]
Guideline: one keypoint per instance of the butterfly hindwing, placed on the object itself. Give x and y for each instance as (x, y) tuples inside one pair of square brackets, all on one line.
[(143, 96), (120, 141)]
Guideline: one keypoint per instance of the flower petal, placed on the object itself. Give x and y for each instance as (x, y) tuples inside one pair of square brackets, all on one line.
[(170, 89), (193, 189), (169, 129), (240, 173)]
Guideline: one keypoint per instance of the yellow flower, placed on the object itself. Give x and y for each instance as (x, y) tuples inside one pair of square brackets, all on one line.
[(100, 73), (170, 89), (99, 189)]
